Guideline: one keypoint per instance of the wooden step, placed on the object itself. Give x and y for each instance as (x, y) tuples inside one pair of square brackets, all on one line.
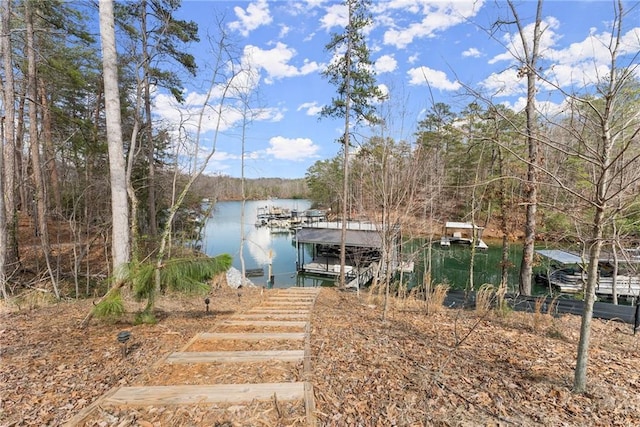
[(179, 357), (292, 301), (284, 323), (299, 296), (290, 307), (252, 336), (288, 303), (280, 316), (194, 394), (264, 310)]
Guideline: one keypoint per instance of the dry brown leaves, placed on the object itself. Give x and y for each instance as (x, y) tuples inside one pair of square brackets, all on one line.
[(50, 368), (458, 368), (449, 367)]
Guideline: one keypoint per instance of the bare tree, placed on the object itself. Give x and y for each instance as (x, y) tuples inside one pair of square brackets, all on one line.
[(34, 145), (603, 120), (602, 124), (9, 136), (7, 121), (529, 60)]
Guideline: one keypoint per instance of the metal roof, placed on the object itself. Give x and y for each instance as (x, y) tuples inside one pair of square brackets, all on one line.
[(331, 236), (461, 225), (560, 256)]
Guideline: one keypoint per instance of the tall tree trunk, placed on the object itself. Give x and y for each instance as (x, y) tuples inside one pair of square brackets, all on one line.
[(21, 162), (3, 218), (600, 201), (8, 140), (3, 224), (34, 143), (51, 166), (580, 375), (148, 128), (345, 167), (120, 236), (504, 226), (529, 69), (243, 269), (120, 243)]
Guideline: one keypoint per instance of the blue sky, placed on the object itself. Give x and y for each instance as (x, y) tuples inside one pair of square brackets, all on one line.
[(424, 52)]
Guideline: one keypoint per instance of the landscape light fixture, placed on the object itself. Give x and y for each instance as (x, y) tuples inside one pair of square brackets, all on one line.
[(206, 303), (123, 337)]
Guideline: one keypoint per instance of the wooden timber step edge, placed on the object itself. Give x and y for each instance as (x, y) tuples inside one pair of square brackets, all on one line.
[(182, 357), (267, 315), (259, 310), (287, 323), (280, 304), (252, 336), (196, 394)]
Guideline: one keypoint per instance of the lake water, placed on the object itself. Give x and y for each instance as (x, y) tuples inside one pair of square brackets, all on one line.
[(261, 247), (222, 235)]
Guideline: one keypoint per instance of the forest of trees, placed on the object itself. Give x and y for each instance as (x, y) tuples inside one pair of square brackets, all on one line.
[(482, 163), (55, 163), (569, 175)]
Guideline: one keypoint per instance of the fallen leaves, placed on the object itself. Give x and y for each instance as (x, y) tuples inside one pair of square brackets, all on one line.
[(412, 369), (456, 368)]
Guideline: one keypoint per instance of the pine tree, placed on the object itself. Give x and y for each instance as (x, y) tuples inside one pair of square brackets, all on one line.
[(352, 73)]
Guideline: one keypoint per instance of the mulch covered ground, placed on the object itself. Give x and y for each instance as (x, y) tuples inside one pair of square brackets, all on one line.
[(414, 368)]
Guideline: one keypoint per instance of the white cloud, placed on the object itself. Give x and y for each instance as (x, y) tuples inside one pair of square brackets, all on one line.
[(296, 149), (436, 17), (588, 62), (423, 76), (187, 114), (336, 16), (471, 53), (276, 62), (575, 66), (265, 114), (312, 4), (513, 42), (547, 108), (256, 15), (385, 64), (312, 108), (384, 90), (284, 30), (214, 117)]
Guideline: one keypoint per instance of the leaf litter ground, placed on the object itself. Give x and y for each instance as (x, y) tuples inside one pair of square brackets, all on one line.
[(445, 367)]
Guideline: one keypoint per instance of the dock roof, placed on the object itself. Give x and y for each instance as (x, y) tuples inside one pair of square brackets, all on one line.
[(560, 256), (331, 236), (461, 225), (567, 258)]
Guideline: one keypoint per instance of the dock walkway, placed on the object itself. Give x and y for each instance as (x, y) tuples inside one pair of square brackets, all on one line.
[(283, 310)]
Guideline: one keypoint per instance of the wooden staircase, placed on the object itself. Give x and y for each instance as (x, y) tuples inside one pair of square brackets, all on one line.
[(282, 310)]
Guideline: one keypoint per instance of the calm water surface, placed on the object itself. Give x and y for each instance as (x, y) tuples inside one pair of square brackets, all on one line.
[(261, 247), (222, 234)]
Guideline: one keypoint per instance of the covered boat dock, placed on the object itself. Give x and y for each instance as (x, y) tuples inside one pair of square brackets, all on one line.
[(363, 251), (568, 274)]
